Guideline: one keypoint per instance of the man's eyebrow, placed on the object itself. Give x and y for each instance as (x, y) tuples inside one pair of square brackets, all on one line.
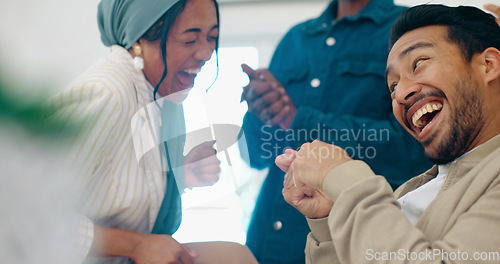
[(414, 47), (406, 52)]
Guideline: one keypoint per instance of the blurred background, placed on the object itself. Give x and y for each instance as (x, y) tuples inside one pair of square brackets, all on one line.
[(46, 44)]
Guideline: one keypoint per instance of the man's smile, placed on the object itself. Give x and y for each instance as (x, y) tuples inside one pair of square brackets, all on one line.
[(422, 115)]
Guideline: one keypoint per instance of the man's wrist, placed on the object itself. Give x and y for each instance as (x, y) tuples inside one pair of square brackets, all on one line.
[(344, 176), (319, 229)]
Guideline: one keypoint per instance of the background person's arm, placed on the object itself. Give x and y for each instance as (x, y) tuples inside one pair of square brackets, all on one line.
[(494, 9)]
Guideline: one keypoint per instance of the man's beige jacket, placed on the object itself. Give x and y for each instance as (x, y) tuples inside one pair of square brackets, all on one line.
[(366, 225)]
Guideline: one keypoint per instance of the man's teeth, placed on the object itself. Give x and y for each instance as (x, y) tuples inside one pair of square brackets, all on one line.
[(429, 108), (192, 71)]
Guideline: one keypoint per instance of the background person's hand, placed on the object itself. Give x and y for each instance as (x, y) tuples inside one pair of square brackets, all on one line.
[(495, 9), (267, 99), (201, 166)]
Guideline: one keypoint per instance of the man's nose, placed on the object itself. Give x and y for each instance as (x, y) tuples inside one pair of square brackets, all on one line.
[(406, 89)]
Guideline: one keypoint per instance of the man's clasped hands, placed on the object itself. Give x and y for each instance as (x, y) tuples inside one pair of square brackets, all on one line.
[(306, 170)]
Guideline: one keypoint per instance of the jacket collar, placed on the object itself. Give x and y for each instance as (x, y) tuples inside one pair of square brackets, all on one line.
[(376, 10), (461, 167), (458, 169)]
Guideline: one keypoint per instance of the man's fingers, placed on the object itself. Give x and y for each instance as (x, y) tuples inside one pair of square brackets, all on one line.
[(308, 191), (284, 161), (290, 193), (288, 159)]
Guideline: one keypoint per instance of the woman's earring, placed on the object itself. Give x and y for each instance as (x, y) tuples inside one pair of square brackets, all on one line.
[(138, 61)]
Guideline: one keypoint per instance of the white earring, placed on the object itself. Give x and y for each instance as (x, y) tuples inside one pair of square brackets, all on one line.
[(138, 61)]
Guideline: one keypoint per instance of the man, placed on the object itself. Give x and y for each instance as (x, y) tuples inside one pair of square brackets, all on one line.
[(444, 78), (326, 82)]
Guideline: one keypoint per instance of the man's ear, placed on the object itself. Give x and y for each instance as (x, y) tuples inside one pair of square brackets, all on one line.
[(492, 63)]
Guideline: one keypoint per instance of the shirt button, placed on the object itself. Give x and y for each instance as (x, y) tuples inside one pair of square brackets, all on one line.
[(277, 225), (324, 25), (315, 83), (330, 41)]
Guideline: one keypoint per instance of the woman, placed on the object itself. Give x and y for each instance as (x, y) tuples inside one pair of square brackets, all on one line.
[(157, 48)]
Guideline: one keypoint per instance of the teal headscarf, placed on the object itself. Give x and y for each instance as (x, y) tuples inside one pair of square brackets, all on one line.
[(123, 22)]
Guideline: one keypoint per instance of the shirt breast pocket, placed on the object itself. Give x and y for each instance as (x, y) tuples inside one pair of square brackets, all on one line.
[(362, 87), (362, 68)]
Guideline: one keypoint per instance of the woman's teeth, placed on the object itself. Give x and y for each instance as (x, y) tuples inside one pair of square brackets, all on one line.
[(192, 71), (417, 119)]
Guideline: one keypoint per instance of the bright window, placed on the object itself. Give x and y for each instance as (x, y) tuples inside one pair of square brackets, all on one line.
[(222, 211)]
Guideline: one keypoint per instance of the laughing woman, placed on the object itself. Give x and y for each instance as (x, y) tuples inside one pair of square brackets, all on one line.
[(131, 204)]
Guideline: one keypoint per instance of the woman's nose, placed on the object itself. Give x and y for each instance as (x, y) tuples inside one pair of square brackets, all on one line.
[(204, 51)]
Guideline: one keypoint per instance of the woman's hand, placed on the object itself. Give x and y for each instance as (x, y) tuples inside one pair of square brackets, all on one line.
[(141, 248), (162, 249), (201, 166)]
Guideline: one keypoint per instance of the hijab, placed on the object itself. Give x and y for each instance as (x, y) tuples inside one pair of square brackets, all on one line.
[(124, 22)]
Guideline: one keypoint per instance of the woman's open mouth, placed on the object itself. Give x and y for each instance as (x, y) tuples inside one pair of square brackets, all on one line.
[(186, 77)]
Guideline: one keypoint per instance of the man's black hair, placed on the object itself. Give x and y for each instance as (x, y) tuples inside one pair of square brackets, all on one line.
[(469, 27)]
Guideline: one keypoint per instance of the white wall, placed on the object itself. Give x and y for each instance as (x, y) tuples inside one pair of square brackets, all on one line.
[(49, 42), (46, 44)]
